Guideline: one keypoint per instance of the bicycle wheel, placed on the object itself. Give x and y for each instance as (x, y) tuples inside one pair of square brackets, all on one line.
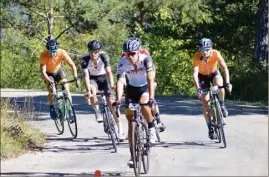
[(157, 130), (59, 108), (107, 116), (220, 124), (145, 148), (113, 125), (136, 148), (71, 117), (215, 123)]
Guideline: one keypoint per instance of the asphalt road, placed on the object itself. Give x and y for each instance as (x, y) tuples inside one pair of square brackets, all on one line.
[(185, 149)]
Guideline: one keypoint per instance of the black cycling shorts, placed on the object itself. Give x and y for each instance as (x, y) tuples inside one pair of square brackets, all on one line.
[(101, 83), (135, 93), (57, 76), (204, 80)]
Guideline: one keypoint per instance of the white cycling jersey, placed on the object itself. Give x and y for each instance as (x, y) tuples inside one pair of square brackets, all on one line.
[(135, 78), (102, 63)]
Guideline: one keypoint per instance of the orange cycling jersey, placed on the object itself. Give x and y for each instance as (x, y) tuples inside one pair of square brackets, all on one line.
[(210, 66), (53, 63)]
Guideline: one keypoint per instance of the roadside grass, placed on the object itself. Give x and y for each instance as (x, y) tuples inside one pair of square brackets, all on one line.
[(17, 134)]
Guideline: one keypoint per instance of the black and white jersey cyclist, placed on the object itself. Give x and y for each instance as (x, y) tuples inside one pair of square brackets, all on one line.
[(98, 76), (139, 72)]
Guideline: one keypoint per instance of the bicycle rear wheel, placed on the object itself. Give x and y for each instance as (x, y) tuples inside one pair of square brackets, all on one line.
[(136, 148), (107, 116), (220, 124), (59, 108), (71, 118), (145, 148)]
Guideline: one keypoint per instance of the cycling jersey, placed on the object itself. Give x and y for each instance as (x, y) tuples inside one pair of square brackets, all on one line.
[(209, 67), (102, 63), (53, 63), (135, 78)]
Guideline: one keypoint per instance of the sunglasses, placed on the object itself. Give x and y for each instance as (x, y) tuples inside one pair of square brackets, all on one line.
[(52, 51), (94, 51), (130, 54)]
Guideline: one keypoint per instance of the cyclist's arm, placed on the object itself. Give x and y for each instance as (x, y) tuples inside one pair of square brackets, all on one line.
[(43, 73), (110, 76), (224, 68), (195, 71), (71, 64), (87, 80), (150, 79), (148, 63), (119, 87)]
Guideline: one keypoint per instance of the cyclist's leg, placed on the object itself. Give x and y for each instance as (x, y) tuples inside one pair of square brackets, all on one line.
[(205, 85), (61, 77), (50, 89), (218, 80), (94, 100), (146, 112)]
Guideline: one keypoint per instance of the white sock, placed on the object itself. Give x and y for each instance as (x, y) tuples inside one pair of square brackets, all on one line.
[(120, 128)]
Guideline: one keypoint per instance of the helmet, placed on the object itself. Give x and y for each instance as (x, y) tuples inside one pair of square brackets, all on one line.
[(138, 39), (132, 44), (205, 43), (94, 45), (52, 45)]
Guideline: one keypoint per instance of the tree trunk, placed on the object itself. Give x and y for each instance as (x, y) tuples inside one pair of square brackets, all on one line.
[(261, 41), (141, 8), (50, 23)]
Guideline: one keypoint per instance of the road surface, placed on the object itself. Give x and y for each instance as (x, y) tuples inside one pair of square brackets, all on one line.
[(185, 149)]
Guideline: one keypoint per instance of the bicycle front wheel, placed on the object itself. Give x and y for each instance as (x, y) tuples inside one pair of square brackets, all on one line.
[(220, 124), (59, 108), (145, 148), (215, 122), (71, 117), (156, 130), (111, 129), (136, 148)]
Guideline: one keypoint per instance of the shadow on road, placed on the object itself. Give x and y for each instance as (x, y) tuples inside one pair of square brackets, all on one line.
[(61, 174), (190, 145), (168, 105)]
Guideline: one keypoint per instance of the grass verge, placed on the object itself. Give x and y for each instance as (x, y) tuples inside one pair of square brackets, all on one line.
[(17, 135)]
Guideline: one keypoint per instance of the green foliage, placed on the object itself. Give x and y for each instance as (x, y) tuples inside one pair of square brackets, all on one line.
[(170, 32)]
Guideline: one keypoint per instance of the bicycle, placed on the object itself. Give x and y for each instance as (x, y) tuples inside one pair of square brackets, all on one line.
[(216, 114), (64, 109), (140, 140), (109, 123), (155, 123)]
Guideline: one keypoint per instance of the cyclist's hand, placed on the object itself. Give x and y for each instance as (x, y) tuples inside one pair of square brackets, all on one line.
[(199, 93), (116, 103), (51, 84), (76, 79), (151, 102), (229, 87)]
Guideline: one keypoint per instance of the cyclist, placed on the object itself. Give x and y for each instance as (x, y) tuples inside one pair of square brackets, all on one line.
[(51, 70), (205, 71), (98, 76), (139, 72), (155, 109)]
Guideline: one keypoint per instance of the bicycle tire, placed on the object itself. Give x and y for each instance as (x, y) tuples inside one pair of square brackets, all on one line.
[(136, 148), (59, 108), (215, 122), (157, 130), (110, 131), (220, 125), (145, 148), (112, 122), (74, 131)]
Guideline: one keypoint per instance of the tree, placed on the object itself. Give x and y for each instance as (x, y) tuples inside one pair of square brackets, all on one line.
[(262, 37)]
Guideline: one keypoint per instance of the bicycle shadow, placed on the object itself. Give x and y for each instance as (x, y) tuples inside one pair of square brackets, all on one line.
[(190, 145)]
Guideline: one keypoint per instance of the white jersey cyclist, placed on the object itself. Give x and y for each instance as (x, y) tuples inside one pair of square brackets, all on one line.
[(136, 77)]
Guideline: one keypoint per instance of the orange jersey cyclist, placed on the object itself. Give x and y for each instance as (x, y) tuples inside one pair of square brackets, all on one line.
[(205, 71), (98, 76), (51, 70), (139, 73)]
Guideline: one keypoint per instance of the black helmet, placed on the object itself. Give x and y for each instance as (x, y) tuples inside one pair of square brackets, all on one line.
[(94, 45), (52, 45), (132, 44)]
